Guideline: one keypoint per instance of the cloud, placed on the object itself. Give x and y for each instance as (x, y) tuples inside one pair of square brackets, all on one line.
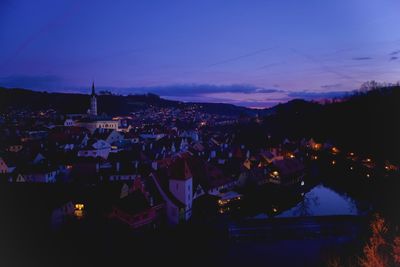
[(268, 91), (395, 52), (260, 104), (307, 95), (393, 58), (331, 86), (197, 90), (362, 58), (32, 82)]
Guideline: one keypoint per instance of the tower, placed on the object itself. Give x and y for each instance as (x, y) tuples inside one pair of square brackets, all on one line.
[(93, 102)]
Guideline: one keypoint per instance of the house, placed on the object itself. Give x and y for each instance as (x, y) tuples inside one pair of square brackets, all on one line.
[(193, 135), (6, 165), (109, 135), (175, 184), (136, 206), (69, 123), (95, 148), (216, 182), (37, 174), (95, 123), (135, 210), (267, 157), (68, 138), (3, 166), (123, 166), (288, 171)]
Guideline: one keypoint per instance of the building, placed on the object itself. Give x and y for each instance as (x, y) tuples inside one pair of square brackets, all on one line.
[(93, 121), (95, 148), (93, 103), (175, 184)]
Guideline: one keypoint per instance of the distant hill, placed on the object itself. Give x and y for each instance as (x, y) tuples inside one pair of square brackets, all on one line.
[(17, 98), (367, 122)]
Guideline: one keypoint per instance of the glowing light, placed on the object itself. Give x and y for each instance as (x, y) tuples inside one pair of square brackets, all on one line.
[(317, 146), (78, 212), (351, 168), (79, 206), (275, 210), (335, 150), (333, 162), (368, 175), (302, 183)]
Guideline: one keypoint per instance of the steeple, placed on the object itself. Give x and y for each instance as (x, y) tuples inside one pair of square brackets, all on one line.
[(93, 92), (93, 102)]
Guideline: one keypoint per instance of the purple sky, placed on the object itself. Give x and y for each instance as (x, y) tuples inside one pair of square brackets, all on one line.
[(251, 53)]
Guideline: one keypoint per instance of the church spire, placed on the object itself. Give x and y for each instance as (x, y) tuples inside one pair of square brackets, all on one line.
[(93, 102), (93, 92)]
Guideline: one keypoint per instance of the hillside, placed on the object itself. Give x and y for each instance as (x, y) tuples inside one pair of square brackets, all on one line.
[(367, 122), (110, 104)]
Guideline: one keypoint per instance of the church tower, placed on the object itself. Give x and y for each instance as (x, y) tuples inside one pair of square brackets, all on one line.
[(93, 103)]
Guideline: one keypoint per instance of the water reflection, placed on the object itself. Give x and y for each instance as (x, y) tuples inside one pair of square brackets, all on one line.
[(321, 201), (305, 207), (317, 201)]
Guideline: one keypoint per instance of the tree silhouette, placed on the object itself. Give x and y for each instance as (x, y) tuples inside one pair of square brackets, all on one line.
[(376, 250)]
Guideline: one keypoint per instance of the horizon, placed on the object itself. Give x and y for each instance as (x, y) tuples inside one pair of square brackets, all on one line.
[(310, 97), (255, 55)]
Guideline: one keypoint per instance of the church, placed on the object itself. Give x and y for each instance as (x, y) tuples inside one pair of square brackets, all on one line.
[(93, 103), (92, 120)]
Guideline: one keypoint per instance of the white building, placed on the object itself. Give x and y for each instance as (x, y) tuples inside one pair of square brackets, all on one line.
[(179, 194)]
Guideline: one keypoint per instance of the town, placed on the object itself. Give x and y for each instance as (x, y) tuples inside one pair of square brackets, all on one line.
[(159, 165)]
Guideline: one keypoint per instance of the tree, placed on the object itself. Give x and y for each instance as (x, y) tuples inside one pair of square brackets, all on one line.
[(396, 250), (376, 250), (368, 86)]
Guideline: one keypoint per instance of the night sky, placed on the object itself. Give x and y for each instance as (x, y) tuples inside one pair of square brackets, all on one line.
[(251, 53)]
